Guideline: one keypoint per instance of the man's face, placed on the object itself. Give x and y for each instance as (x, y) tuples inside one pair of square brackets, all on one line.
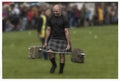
[(48, 12), (56, 11)]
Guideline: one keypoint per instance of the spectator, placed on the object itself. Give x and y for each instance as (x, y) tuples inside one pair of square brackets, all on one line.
[(41, 27), (35, 10), (16, 10), (13, 22), (83, 10), (100, 15), (77, 16), (23, 16), (71, 16), (87, 17), (30, 15)]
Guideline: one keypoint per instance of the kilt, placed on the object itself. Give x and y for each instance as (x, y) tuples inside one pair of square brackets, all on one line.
[(57, 45)]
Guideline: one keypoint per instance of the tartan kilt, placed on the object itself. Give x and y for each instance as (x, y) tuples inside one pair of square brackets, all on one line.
[(57, 45)]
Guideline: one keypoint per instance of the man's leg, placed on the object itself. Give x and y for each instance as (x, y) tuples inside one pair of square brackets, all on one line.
[(53, 62), (62, 63)]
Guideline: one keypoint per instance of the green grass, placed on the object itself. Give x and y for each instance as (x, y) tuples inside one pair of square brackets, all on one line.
[(99, 43)]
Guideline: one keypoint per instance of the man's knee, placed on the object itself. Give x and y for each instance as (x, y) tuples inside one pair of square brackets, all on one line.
[(62, 56), (50, 54)]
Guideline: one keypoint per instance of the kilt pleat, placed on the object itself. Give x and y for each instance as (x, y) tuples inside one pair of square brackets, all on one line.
[(57, 45)]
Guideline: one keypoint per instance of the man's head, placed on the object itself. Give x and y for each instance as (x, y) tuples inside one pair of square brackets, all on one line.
[(48, 12), (57, 10)]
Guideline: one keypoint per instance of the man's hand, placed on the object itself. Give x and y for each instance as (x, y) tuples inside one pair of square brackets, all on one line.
[(67, 38), (68, 47), (45, 44)]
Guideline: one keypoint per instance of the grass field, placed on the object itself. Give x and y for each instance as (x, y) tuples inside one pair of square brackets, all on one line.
[(99, 43)]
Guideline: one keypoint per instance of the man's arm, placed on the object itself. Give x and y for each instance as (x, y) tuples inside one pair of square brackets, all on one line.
[(67, 37), (48, 30)]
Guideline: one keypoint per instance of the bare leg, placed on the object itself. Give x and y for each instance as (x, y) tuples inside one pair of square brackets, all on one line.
[(51, 55)]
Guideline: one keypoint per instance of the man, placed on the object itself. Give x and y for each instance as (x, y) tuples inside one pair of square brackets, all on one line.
[(42, 20), (57, 38)]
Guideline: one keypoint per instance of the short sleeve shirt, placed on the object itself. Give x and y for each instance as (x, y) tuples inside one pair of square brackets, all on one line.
[(58, 25)]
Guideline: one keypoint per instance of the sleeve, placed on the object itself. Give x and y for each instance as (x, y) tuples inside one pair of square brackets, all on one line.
[(39, 24), (66, 22)]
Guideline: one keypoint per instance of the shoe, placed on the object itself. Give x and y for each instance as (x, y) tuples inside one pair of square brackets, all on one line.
[(52, 70)]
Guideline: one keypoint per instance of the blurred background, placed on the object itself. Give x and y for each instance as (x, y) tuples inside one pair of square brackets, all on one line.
[(21, 16)]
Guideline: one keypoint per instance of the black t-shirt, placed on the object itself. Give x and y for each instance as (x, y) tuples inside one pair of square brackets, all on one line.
[(58, 25)]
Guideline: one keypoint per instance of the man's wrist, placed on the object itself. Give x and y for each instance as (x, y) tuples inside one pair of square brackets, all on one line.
[(68, 43)]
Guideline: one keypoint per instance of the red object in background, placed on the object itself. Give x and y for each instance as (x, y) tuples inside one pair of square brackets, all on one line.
[(6, 3), (30, 15), (3, 14)]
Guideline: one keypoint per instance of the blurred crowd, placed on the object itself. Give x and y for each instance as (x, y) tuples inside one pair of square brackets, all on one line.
[(20, 16)]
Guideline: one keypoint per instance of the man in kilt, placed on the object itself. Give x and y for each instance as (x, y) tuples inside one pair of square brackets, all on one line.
[(57, 38)]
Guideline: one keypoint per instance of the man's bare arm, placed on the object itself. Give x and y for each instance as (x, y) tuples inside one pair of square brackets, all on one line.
[(48, 30), (67, 34)]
